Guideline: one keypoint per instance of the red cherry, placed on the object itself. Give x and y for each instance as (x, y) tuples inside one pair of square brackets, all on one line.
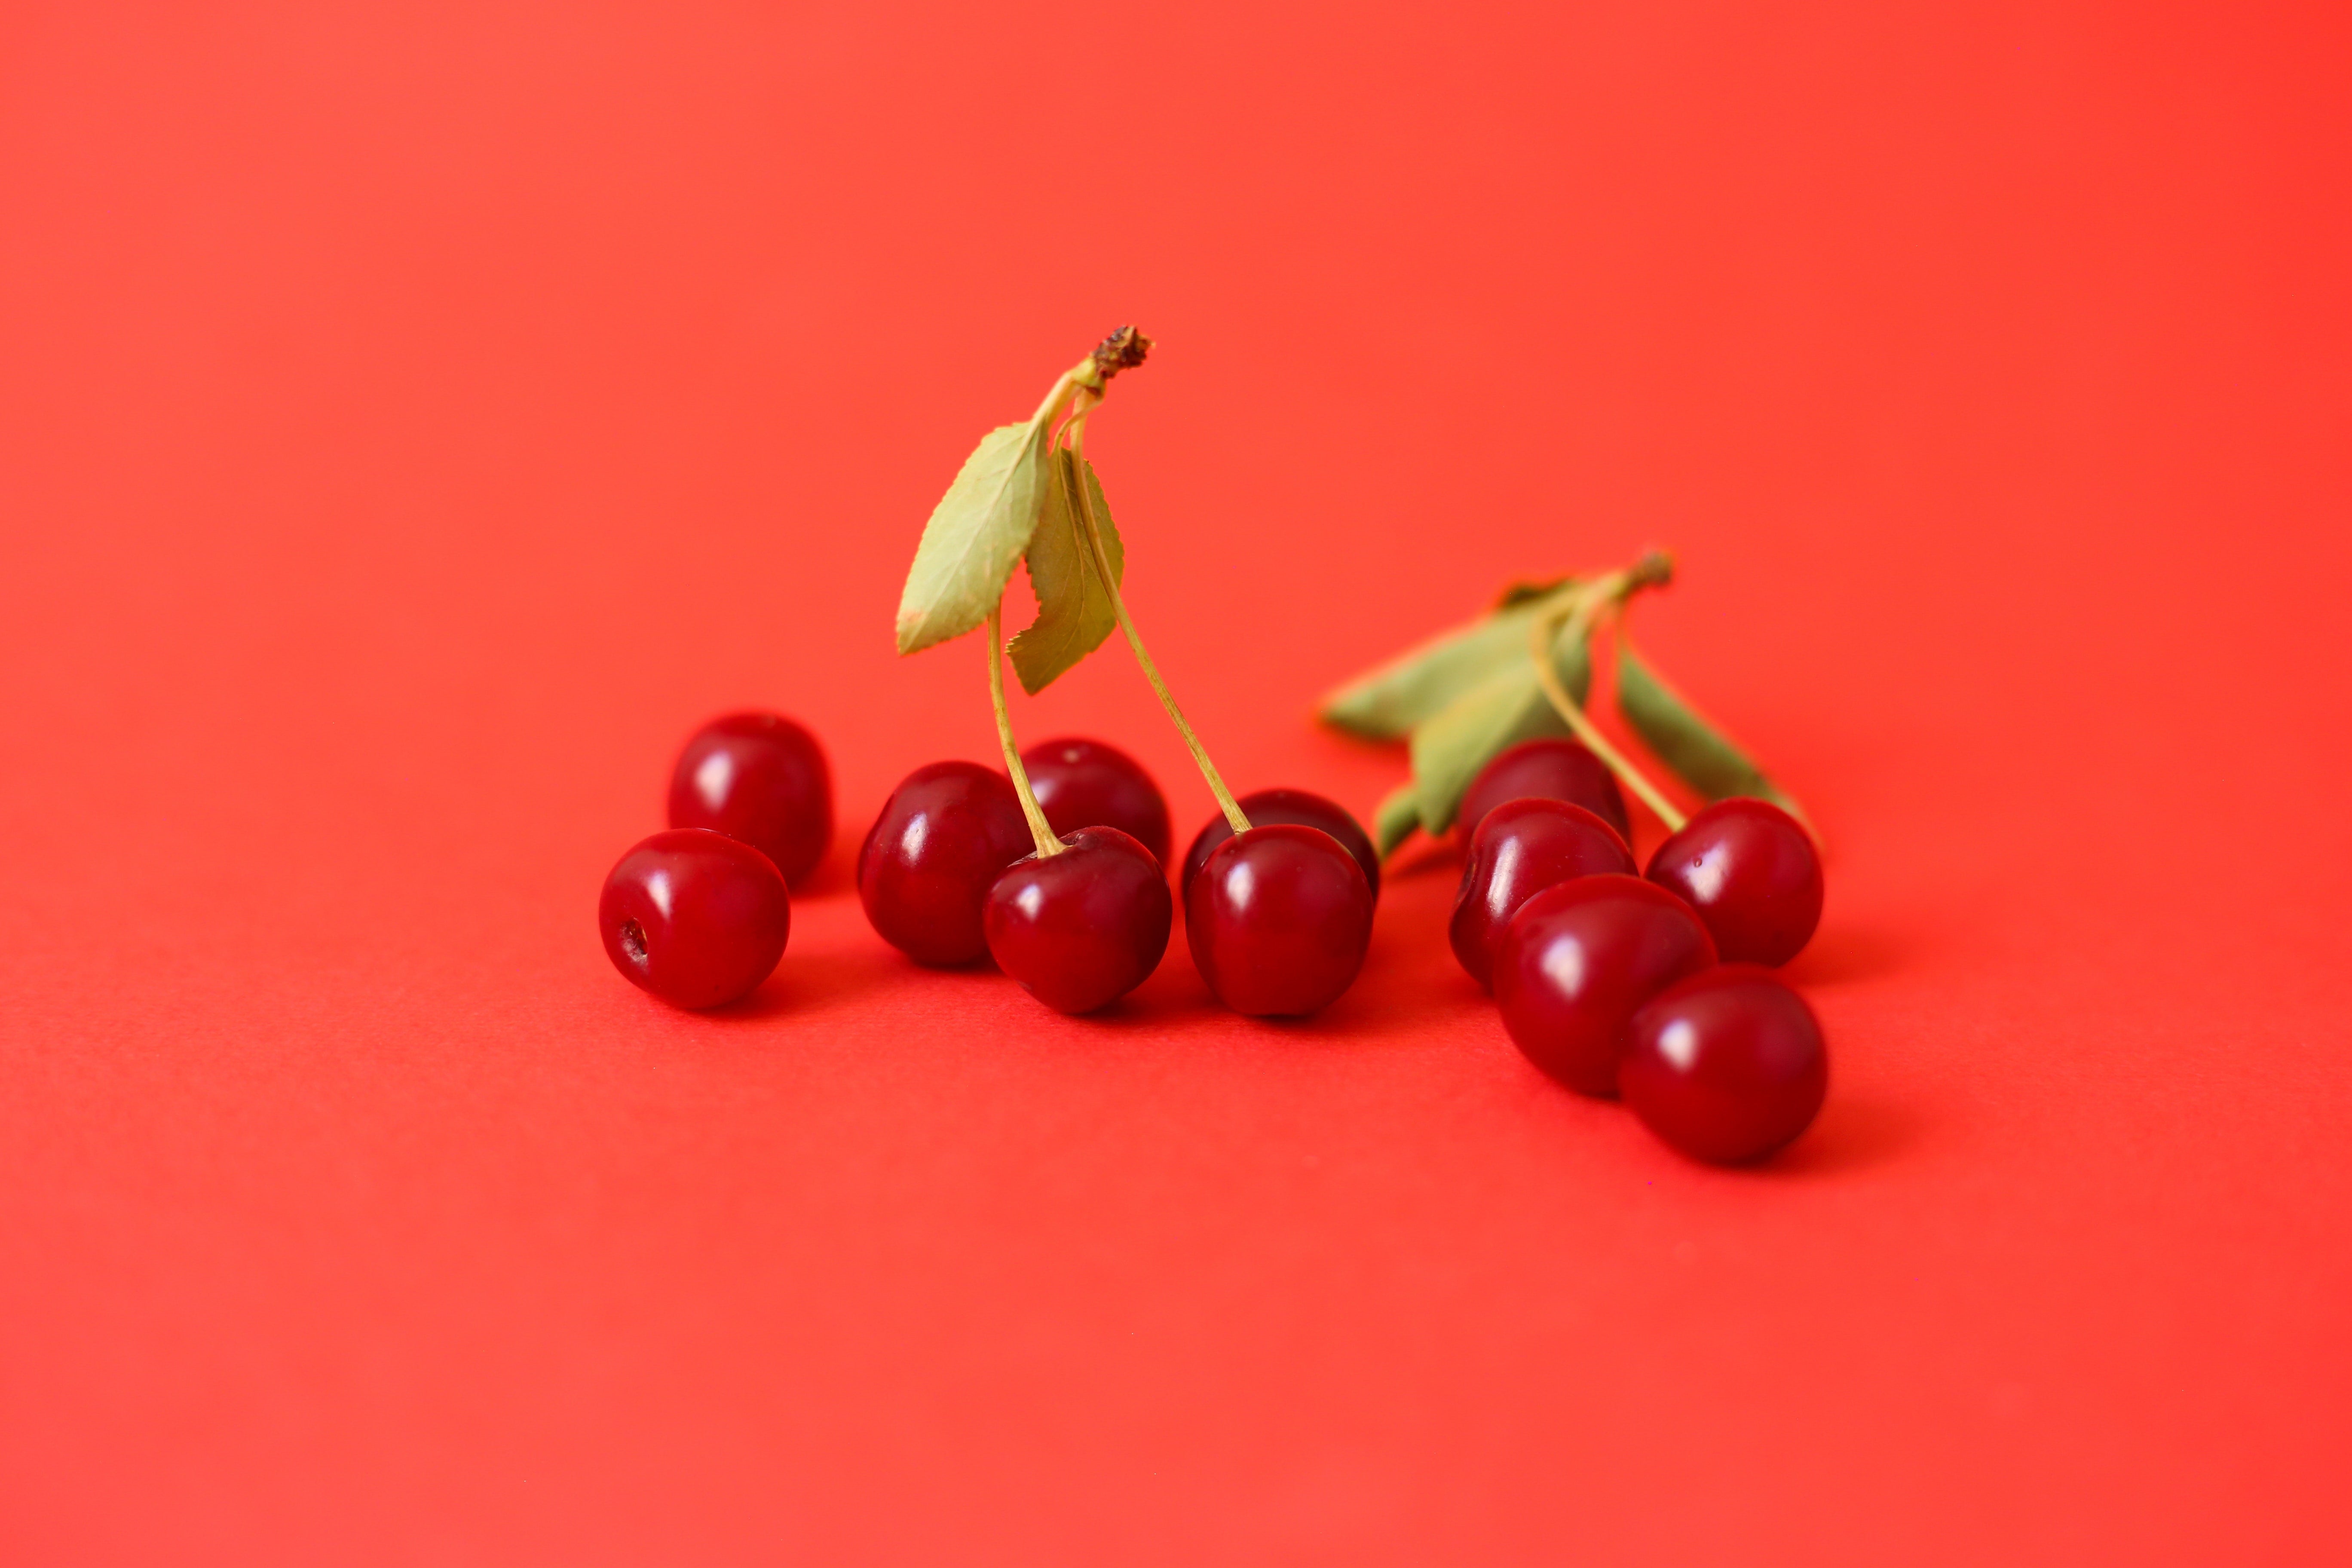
[(1728, 1066), (1549, 769), (695, 916), (1753, 875), (761, 778), (924, 870), (1278, 920), (1521, 848), (1085, 783), (1299, 807), (1082, 928), (1576, 961)]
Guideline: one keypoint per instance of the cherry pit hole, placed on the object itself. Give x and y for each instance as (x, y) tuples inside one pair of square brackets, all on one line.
[(633, 943)]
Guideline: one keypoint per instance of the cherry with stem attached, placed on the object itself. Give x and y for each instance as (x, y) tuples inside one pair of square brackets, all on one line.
[(1081, 928), (1749, 867), (1279, 917), (1278, 920), (1083, 920), (1751, 871), (1304, 808)]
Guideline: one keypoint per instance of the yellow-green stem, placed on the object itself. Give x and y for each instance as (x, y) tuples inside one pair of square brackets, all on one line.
[(1039, 828), (1075, 433), (1539, 643), (1063, 390)]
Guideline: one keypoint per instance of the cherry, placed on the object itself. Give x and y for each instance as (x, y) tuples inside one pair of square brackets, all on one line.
[(924, 870), (1726, 1066), (1751, 872), (1549, 769), (1278, 920), (761, 778), (1298, 807), (1521, 848), (695, 916), (1085, 783), (1576, 961), (1081, 929)]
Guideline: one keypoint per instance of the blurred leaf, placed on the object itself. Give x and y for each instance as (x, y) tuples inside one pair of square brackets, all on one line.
[(1386, 704), (1398, 815), (1507, 707), (1074, 612), (976, 533), (1694, 750)]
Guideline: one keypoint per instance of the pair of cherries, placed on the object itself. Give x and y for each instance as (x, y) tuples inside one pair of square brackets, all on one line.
[(1277, 919), (699, 915), (1653, 987)]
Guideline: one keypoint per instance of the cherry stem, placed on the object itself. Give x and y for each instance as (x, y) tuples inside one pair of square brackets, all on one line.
[(1074, 435), (1122, 350), (1048, 845), (1585, 606)]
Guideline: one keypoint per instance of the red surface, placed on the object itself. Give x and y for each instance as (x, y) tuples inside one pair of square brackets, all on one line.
[(413, 422)]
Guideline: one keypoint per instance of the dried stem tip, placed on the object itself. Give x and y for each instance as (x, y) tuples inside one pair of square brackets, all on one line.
[(1655, 569), (1123, 350)]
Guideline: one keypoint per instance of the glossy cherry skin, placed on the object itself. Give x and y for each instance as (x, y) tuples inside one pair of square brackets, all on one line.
[(1522, 848), (761, 778), (1728, 1066), (1085, 783), (1579, 959), (1299, 807), (695, 916), (1278, 920), (1548, 770), (1753, 875), (944, 834), (1082, 928)]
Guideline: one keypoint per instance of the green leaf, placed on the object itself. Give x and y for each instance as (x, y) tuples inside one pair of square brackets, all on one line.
[(1501, 711), (1386, 704), (977, 531), (1398, 815), (1696, 751), (1074, 612)]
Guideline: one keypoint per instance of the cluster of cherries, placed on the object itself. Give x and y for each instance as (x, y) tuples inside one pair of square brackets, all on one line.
[(1278, 918), (1655, 987)]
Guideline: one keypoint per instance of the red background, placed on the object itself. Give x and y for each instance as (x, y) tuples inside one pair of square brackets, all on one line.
[(414, 420)]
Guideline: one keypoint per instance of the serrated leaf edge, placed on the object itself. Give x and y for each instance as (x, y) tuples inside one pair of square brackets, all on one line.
[(1068, 466), (914, 629)]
